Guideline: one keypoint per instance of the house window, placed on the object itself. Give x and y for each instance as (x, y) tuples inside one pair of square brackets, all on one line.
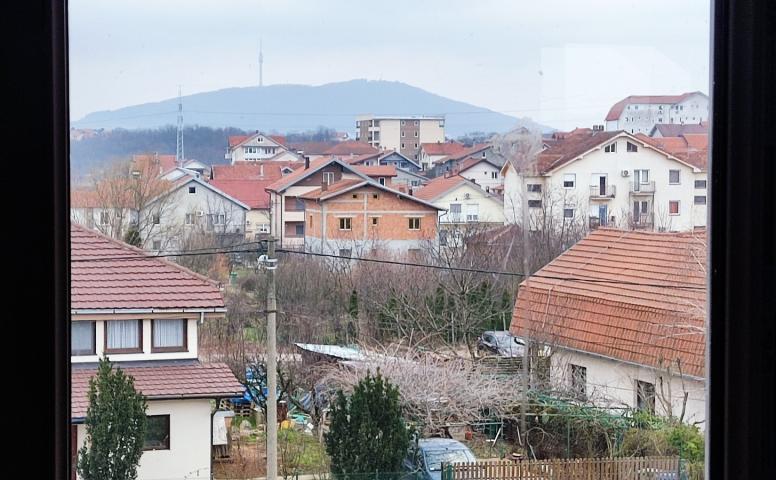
[(345, 252), (355, 195), (534, 204), (630, 147), (569, 180), (645, 396), (642, 176), (299, 203), (700, 184), (157, 432), (104, 218), (402, 123), (328, 178), (578, 377), (156, 219), (381, 180), (700, 199), (123, 336), (345, 223), (673, 177), (535, 187), (374, 221), (168, 335), (414, 223), (416, 134), (493, 174), (192, 189), (375, 196), (402, 146), (611, 148), (416, 146), (472, 212), (157, 245), (673, 207), (310, 223), (299, 230), (189, 220), (82, 337), (568, 212), (402, 134), (416, 123), (264, 228), (218, 218)]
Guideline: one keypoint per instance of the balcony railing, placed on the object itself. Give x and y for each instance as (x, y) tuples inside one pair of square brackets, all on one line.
[(642, 188), (607, 191), (643, 220)]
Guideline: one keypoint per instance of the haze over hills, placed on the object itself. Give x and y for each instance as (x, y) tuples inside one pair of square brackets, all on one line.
[(296, 108)]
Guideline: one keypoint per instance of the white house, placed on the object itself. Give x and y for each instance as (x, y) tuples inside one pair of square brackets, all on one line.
[(431, 152), (483, 172), (640, 113), (622, 314), (258, 146), (143, 314), (610, 178)]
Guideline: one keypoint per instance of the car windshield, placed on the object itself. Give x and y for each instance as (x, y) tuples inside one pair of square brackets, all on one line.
[(434, 459)]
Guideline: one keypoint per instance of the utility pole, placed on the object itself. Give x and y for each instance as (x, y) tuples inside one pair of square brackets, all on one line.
[(269, 262), (526, 346)]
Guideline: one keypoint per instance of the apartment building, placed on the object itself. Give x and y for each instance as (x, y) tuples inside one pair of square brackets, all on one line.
[(403, 134), (640, 113), (363, 218), (596, 178)]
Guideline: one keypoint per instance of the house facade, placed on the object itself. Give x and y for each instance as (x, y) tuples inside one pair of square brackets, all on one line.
[(483, 172), (357, 217), (143, 313), (403, 134), (622, 315), (431, 152), (640, 113), (258, 146), (597, 178)]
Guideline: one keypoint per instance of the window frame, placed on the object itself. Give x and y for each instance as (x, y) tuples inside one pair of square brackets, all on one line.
[(94, 339), (138, 349), (414, 220), (640, 387), (167, 446), (345, 224), (678, 176), (573, 181), (678, 208), (182, 348)]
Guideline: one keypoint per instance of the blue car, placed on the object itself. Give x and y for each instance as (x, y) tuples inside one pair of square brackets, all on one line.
[(425, 458)]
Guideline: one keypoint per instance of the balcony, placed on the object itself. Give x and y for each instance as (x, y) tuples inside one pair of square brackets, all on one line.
[(642, 188), (642, 221), (602, 192)]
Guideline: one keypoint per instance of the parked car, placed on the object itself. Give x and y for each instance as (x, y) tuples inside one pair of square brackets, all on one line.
[(657, 474), (500, 342), (426, 456)]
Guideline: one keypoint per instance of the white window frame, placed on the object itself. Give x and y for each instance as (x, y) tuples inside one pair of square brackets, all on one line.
[(345, 224), (187, 217), (412, 221), (573, 180), (328, 178), (678, 177), (678, 208)]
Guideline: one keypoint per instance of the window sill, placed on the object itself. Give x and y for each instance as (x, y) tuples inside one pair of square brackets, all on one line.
[(124, 351), (169, 349)]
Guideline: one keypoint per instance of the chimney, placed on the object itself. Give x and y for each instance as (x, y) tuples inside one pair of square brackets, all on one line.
[(261, 170), (306, 162)]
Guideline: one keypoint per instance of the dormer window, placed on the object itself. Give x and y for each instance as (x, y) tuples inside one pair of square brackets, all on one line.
[(123, 336), (82, 337), (168, 335), (611, 148)]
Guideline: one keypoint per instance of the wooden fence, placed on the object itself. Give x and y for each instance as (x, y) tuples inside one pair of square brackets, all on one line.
[(636, 468)]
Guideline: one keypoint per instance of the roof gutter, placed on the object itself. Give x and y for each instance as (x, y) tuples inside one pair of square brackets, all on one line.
[(88, 311)]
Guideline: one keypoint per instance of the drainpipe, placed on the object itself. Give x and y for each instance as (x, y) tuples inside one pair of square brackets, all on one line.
[(212, 415)]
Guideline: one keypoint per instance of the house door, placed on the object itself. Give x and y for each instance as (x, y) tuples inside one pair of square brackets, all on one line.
[(602, 215), (636, 211), (602, 185)]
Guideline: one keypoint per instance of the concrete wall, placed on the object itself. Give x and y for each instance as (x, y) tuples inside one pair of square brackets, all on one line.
[(482, 175), (488, 208), (190, 443), (613, 383)]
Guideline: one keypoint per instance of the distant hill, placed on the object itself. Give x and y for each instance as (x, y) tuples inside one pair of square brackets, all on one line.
[(295, 108)]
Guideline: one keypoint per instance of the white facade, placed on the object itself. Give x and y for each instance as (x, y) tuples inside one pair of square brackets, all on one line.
[(611, 188), (484, 174), (468, 203), (189, 452), (257, 147), (194, 206), (612, 383), (639, 117)]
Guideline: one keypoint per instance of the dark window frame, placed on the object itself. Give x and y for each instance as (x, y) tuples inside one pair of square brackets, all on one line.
[(138, 349), (167, 444), (94, 339), (182, 348)]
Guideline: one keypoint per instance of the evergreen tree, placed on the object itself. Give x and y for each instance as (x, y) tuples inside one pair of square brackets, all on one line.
[(367, 433), (115, 427)]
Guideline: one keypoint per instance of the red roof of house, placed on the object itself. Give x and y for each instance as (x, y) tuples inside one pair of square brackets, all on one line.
[(312, 148), (110, 275), (299, 173), (356, 159), (676, 130), (350, 146), (333, 188), (691, 148), (438, 186), (617, 108), (377, 170), (472, 161), (443, 148), (235, 140), (569, 148), (632, 296), (250, 192), (166, 162), (260, 170), (160, 380)]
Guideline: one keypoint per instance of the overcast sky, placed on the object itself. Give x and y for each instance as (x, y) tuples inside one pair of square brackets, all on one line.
[(562, 63)]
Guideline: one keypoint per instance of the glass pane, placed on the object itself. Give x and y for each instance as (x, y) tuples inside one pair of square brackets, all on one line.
[(82, 338), (168, 333), (123, 334)]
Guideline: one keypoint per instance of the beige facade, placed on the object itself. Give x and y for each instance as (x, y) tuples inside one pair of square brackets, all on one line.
[(403, 134)]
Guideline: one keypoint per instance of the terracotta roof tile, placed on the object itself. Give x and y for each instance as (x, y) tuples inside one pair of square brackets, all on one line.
[(235, 140), (332, 189), (174, 379), (676, 130), (250, 192), (438, 186), (377, 170), (260, 170), (440, 148), (601, 305), (110, 275), (351, 146), (569, 148)]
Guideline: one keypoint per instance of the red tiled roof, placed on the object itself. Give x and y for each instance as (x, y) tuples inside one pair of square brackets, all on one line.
[(617, 108), (691, 148), (333, 188), (650, 311), (351, 146), (356, 159), (472, 161), (280, 139), (377, 170), (297, 174), (108, 274), (570, 148), (443, 148), (250, 192), (438, 186), (311, 148), (166, 162), (260, 170), (235, 140), (676, 130), (182, 379)]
